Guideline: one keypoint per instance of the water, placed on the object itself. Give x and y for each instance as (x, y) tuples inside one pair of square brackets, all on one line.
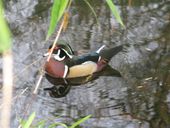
[(139, 99)]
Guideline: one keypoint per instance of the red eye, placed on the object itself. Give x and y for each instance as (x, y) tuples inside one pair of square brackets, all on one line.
[(56, 48)]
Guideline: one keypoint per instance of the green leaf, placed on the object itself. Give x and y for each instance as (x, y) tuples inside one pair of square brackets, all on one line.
[(27, 124), (57, 124), (115, 12), (80, 121), (5, 36), (57, 11), (22, 122), (40, 124)]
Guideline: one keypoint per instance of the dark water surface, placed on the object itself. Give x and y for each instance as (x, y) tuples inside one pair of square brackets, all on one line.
[(140, 99)]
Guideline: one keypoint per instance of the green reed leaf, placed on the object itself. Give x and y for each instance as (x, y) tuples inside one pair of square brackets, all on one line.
[(80, 121), (115, 12), (40, 124), (58, 8), (27, 124), (57, 124), (5, 35)]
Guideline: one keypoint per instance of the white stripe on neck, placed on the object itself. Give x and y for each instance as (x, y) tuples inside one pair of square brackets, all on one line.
[(65, 71)]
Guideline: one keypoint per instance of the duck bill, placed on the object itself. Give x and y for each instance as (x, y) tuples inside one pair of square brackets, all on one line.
[(46, 54)]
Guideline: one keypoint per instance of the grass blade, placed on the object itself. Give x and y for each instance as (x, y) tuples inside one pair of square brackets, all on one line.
[(57, 124), (80, 121), (115, 12), (27, 124), (57, 11), (92, 9), (5, 35), (40, 124)]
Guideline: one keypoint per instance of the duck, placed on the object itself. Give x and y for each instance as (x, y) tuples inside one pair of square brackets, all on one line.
[(67, 68)]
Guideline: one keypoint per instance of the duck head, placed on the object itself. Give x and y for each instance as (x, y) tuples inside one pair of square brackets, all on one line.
[(61, 51), (55, 66)]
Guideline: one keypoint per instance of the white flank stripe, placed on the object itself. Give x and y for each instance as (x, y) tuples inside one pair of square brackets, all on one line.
[(99, 58), (65, 71)]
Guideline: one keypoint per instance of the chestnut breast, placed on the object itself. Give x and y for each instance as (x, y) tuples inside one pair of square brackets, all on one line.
[(55, 68)]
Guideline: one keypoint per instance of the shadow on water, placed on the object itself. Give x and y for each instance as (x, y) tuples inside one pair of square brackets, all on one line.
[(140, 99)]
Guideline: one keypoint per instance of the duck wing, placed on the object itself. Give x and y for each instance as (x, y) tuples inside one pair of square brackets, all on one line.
[(78, 60)]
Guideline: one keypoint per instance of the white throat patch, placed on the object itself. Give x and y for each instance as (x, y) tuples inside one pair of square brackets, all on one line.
[(57, 56)]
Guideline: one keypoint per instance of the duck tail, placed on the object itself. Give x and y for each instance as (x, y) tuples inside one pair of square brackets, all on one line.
[(109, 53)]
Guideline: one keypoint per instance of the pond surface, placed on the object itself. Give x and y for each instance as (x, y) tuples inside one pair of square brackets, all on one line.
[(140, 99)]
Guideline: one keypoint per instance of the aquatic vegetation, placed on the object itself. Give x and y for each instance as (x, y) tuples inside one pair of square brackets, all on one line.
[(61, 6), (42, 123), (5, 50), (5, 36)]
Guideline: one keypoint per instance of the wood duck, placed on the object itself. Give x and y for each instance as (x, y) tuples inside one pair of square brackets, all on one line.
[(65, 69)]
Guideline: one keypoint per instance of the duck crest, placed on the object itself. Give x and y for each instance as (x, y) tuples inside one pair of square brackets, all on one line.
[(67, 69)]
